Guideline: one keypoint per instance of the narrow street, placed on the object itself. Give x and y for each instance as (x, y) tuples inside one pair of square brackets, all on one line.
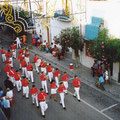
[(93, 106)]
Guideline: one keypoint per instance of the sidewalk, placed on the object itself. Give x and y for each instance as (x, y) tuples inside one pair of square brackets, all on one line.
[(112, 90)]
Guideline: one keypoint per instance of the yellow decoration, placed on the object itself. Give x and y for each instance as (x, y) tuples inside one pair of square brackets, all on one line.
[(7, 9)]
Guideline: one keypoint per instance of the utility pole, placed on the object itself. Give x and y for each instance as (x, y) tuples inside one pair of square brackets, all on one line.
[(30, 9), (48, 32)]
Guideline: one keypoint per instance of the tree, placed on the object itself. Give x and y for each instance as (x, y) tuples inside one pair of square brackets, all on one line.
[(70, 37), (106, 49)]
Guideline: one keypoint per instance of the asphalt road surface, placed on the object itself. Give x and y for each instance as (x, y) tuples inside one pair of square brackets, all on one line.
[(94, 105)]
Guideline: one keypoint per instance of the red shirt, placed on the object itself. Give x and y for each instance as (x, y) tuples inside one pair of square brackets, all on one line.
[(42, 96), (3, 51), (8, 54), (35, 59), (7, 68), (8, 61), (23, 63), (25, 82), (65, 77), (12, 73), (53, 85), (42, 64), (27, 54), (29, 67), (33, 91), (20, 51), (43, 77), (61, 89), (17, 76), (49, 68), (76, 82), (20, 57), (56, 73), (13, 47)]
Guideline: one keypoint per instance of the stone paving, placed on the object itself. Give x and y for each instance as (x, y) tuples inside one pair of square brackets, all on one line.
[(112, 90)]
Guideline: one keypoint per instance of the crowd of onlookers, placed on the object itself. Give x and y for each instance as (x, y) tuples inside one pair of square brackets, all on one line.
[(54, 49), (101, 71)]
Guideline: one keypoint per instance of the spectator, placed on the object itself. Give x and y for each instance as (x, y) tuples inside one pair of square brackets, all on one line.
[(8, 84), (1, 92), (94, 68), (6, 104), (101, 81), (55, 51), (10, 96)]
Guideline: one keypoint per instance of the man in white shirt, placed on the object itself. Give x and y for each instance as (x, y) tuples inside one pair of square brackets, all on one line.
[(18, 42)]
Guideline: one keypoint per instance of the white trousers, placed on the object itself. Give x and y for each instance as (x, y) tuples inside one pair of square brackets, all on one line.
[(18, 45), (24, 72), (43, 70), (57, 81), (76, 93), (30, 75), (14, 54), (27, 59), (37, 67), (66, 85), (20, 66), (26, 91), (62, 97), (18, 85), (12, 80), (44, 86), (53, 91), (3, 57), (35, 99), (43, 107), (50, 76), (11, 62)]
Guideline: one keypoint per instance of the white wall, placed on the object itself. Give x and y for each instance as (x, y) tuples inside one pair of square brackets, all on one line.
[(115, 71), (85, 60), (109, 11), (56, 26)]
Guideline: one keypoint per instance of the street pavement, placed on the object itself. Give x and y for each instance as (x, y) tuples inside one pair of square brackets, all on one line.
[(95, 104)]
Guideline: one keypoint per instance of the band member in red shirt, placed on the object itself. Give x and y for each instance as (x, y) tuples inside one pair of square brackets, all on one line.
[(17, 78), (43, 66), (50, 72), (61, 91), (57, 75), (11, 75), (34, 93), (13, 47), (30, 72), (24, 69), (37, 62), (3, 52), (20, 58), (65, 78), (21, 51), (42, 99), (25, 84), (9, 55), (76, 84), (43, 79), (27, 55), (53, 88), (7, 69)]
